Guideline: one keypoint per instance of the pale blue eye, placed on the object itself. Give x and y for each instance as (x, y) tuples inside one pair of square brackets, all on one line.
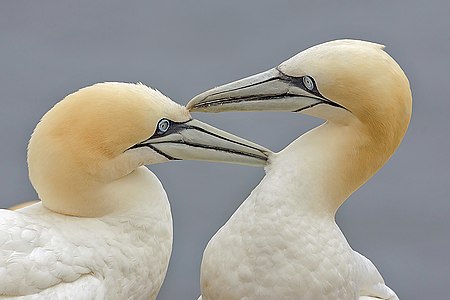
[(308, 82), (163, 125)]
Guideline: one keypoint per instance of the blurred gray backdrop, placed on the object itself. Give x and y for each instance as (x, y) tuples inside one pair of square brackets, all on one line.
[(400, 219)]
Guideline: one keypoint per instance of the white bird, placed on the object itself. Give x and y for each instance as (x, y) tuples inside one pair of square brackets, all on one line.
[(283, 242), (104, 227)]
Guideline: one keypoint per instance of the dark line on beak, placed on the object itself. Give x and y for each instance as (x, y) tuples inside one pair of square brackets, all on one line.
[(289, 80), (322, 102), (222, 138), (217, 149), (186, 126), (253, 98), (154, 149), (244, 87), (306, 107), (162, 153)]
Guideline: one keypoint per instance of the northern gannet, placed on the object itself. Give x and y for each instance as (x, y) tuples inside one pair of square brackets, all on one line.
[(104, 227), (283, 242)]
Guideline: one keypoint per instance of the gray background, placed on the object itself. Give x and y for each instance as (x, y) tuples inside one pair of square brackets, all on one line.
[(399, 219)]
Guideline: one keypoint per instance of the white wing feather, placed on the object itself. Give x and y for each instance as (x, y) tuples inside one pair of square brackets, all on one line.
[(30, 259), (372, 285), (87, 287), (45, 255)]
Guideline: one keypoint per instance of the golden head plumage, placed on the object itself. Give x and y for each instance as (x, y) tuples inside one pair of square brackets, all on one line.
[(355, 85), (81, 141), (103, 132), (361, 77)]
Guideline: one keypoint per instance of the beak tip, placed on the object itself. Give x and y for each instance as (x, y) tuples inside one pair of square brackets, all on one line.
[(195, 109), (195, 103), (190, 106)]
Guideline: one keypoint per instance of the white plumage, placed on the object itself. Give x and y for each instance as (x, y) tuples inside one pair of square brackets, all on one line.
[(47, 255)]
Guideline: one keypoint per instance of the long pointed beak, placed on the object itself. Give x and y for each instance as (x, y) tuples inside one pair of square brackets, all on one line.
[(195, 140), (269, 91)]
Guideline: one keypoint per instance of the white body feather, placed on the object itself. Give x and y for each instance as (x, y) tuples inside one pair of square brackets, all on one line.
[(283, 241), (46, 255)]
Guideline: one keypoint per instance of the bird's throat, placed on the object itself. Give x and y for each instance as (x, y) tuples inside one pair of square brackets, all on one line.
[(325, 166)]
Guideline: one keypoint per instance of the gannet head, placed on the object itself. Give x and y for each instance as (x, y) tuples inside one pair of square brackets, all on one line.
[(104, 132), (355, 85), (343, 81)]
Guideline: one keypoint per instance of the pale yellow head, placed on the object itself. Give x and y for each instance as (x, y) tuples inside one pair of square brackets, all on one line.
[(337, 81), (102, 133), (343, 81), (82, 141), (361, 77), (356, 86)]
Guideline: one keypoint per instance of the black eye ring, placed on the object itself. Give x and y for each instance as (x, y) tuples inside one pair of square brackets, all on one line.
[(308, 82), (163, 125)]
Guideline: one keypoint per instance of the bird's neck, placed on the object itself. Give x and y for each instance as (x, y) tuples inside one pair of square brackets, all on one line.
[(323, 167), (138, 193)]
